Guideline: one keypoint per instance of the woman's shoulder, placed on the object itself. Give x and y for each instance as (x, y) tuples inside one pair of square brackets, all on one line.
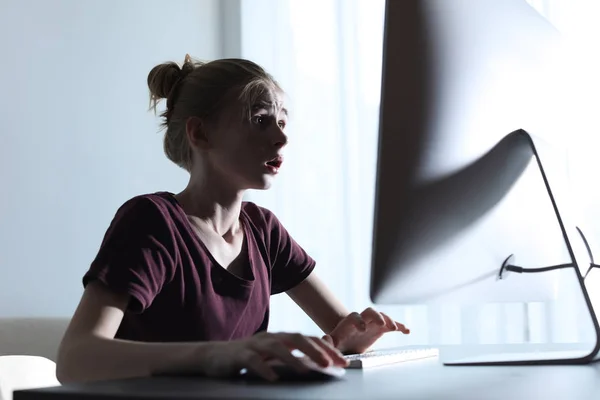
[(258, 215), (149, 208), (264, 221)]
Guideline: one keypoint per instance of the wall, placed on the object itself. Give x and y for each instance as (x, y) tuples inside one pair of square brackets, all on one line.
[(76, 138)]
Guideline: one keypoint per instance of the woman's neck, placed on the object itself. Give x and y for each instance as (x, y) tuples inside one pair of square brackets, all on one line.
[(215, 205)]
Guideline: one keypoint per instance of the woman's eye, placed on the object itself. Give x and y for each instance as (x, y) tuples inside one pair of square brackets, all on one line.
[(266, 120), (259, 119)]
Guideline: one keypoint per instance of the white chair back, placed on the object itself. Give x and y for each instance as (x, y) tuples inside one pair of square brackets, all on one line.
[(25, 372)]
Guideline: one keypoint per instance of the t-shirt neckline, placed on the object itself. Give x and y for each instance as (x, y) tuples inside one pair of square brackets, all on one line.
[(246, 244)]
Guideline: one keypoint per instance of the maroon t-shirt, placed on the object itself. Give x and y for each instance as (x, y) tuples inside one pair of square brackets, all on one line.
[(178, 291)]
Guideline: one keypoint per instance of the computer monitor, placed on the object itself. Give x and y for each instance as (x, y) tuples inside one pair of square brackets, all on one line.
[(462, 187)]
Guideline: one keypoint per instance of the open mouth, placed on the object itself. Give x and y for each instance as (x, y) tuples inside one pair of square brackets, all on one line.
[(275, 163)]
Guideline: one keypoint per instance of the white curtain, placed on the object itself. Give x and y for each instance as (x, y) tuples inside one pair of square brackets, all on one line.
[(578, 22), (327, 56)]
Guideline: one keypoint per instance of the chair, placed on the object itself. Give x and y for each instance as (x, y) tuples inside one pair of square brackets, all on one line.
[(25, 372)]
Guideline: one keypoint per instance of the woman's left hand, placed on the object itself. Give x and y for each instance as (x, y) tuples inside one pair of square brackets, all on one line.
[(356, 333)]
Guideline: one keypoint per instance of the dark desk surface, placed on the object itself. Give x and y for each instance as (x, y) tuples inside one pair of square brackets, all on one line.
[(427, 379)]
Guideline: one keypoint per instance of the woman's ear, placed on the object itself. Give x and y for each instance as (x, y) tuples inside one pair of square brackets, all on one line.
[(196, 133)]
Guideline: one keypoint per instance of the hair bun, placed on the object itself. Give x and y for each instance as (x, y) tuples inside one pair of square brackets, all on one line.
[(163, 78)]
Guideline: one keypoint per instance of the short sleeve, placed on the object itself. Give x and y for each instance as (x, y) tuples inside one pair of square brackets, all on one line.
[(290, 263), (137, 255)]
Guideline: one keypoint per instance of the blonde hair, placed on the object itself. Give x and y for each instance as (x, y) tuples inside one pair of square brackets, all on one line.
[(202, 89)]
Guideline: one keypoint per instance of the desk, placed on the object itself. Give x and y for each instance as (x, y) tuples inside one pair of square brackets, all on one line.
[(420, 380)]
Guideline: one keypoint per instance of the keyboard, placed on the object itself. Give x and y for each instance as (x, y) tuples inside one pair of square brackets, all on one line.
[(378, 358)]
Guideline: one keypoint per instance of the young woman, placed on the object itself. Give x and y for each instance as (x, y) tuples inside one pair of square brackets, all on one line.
[(182, 282)]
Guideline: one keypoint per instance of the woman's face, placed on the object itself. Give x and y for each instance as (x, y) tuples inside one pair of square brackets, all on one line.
[(248, 153)]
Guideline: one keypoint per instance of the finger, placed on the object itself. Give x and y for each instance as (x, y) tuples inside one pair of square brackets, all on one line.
[(336, 356), (357, 321), (389, 323), (275, 348), (307, 346), (370, 315), (402, 328), (329, 339), (254, 363)]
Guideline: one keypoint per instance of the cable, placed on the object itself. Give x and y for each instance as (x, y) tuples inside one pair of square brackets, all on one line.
[(589, 251), (592, 266), (508, 267), (521, 270), (587, 244)]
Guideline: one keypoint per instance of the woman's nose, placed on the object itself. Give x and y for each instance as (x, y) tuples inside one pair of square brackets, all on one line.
[(280, 139)]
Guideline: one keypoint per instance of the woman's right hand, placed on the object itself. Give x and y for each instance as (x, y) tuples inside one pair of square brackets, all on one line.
[(225, 359)]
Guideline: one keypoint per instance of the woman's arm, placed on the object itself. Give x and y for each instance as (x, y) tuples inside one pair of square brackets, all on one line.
[(89, 350), (319, 303), (349, 332)]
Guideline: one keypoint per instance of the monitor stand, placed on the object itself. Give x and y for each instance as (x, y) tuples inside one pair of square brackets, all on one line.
[(540, 357)]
